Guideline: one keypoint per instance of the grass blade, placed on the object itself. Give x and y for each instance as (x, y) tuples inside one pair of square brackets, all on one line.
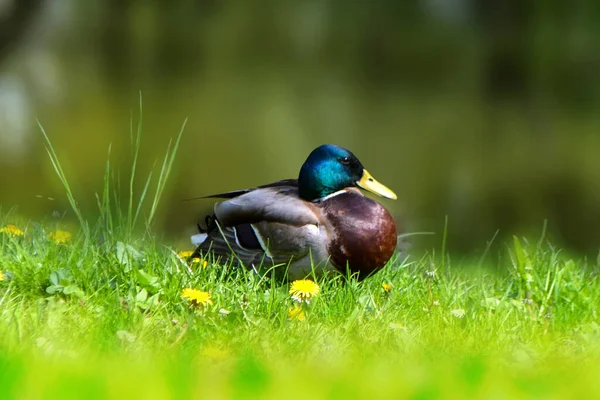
[(63, 179), (164, 174), (136, 151)]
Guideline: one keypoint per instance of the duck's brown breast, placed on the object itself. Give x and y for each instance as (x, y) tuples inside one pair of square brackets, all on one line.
[(364, 236)]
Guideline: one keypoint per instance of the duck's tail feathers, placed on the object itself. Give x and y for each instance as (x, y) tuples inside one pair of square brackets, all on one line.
[(226, 195), (236, 193)]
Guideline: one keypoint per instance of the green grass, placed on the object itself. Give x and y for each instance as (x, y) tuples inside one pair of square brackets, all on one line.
[(102, 317), (106, 318)]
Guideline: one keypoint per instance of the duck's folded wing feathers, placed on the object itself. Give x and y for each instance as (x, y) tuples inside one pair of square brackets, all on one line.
[(225, 242), (245, 243), (247, 223), (274, 204)]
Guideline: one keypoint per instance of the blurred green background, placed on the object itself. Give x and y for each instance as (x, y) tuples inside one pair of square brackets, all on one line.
[(486, 112)]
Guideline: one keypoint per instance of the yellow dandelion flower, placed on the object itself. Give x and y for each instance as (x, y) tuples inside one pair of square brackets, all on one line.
[(185, 254), (59, 236), (197, 297), (12, 230), (198, 260), (2, 277), (296, 313), (303, 290), (386, 287)]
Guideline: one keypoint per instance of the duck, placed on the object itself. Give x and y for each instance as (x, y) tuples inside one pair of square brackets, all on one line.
[(303, 227)]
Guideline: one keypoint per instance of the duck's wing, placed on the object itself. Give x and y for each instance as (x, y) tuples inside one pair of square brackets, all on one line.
[(279, 203), (269, 223)]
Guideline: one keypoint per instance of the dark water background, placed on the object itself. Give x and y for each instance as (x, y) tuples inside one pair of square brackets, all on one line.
[(486, 112)]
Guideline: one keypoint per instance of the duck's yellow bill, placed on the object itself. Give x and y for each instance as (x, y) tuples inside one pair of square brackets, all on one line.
[(369, 183)]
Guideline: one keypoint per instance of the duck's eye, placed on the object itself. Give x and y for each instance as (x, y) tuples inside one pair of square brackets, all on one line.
[(345, 160)]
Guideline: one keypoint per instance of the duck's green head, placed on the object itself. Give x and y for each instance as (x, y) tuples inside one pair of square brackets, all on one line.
[(330, 168)]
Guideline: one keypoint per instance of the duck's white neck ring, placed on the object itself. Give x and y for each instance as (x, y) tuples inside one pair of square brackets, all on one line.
[(329, 196)]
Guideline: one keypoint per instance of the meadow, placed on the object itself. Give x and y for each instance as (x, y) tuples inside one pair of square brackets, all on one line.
[(113, 319), (103, 308)]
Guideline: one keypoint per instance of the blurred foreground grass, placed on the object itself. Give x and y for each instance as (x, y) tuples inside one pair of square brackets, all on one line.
[(102, 317)]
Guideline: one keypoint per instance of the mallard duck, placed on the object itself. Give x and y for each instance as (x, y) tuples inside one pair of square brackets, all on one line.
[(320, 221)]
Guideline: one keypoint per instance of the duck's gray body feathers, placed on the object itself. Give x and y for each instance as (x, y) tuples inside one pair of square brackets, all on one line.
[(270, 225)]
